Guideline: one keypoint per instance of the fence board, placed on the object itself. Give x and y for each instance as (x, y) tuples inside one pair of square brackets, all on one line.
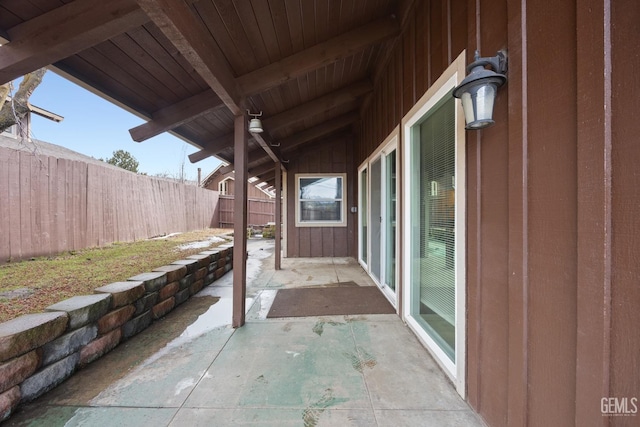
[(14, 205), (40, 205), (51, 203), (259, 211), (5, 212), (26, 235), (60, 197)]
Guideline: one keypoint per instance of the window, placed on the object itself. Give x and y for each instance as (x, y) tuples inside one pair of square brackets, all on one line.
[(223, 187), (320, 200), (11, 131)]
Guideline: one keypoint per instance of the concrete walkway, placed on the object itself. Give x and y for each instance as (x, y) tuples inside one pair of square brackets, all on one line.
[(314, 371)]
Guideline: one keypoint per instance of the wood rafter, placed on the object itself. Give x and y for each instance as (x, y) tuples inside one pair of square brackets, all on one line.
[(212, 148), (65, 31), (317, 56), (301, 112), (175, 115), (271, 152), (187, 33), (269, 178), (319, 105), (256, 155), (293, 141), (318, 131), (261, 169), (268, 175)]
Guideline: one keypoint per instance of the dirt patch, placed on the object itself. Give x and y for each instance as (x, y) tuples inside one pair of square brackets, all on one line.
[(16, 293)]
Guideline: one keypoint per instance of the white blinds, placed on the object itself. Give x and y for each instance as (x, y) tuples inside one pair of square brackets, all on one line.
[(437, 208)]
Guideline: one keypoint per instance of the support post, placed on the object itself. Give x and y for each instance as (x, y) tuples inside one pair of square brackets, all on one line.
[(278, 218), (240, 221)]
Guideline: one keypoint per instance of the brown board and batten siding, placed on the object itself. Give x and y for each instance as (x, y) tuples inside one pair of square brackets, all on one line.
[(416, 60), (331, 155), (553, 271)]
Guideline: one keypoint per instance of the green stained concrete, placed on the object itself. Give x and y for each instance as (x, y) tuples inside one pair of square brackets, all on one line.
[(287, 365)]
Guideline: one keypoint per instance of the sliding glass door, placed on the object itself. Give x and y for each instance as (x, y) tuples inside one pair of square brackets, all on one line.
[(378, 227), (434, 218)]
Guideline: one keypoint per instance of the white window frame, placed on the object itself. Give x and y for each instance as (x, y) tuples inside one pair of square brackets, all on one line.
[(363, 212), (450, 78), (223, 186), (11, 131), (390, 143), (343, 211)]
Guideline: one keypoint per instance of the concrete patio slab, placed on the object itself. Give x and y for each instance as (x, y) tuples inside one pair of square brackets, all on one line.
[(366, 370)]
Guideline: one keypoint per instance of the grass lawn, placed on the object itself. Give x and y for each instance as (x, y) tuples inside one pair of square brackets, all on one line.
[(31, 286)]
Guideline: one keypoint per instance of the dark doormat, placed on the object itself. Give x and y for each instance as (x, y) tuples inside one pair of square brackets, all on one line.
[(328, 301)]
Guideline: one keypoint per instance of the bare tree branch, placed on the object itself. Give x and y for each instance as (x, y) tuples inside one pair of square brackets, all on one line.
[(12, 112)]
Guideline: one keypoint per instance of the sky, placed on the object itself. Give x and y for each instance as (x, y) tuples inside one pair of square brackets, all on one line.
[(96, 127)]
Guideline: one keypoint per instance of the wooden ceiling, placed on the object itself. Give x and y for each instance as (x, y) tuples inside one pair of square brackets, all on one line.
[(190, 66)]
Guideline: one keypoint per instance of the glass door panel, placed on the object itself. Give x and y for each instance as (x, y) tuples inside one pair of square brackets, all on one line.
[(432, 216), (363, 216), (376, 219), (390, 200)]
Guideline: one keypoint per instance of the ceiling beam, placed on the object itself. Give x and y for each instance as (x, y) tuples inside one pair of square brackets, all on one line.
[(65, 31), (261, 169), (4, 36), (293, 141), (273, 153), (317, 56), (302, 149), (317, 106), (254, 156), (309, 109), (212, 148), (188, 34), (177, 114), (318, 131), (267, 177)]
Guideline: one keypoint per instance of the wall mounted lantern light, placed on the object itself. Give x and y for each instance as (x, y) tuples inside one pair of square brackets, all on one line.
[(255, 124), (478, 90)]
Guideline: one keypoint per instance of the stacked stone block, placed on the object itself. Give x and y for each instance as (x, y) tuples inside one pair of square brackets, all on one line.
[(39, 351)]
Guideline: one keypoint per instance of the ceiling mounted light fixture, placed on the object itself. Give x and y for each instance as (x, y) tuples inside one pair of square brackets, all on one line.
[(255, 124), (478, 90)]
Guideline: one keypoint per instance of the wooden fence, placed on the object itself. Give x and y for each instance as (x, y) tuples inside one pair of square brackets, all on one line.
[(50, 205), (259, 211)]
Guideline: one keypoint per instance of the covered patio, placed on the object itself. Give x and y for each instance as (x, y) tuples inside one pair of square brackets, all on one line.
[(304, 371), (511, 252)]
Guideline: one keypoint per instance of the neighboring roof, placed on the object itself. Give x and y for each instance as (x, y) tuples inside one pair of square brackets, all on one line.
[(260, 185), (42, 112), (47, 149), (45, 113), (212, 175)]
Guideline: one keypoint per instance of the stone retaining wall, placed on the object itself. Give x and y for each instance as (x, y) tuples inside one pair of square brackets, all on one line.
[(39, 351)]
